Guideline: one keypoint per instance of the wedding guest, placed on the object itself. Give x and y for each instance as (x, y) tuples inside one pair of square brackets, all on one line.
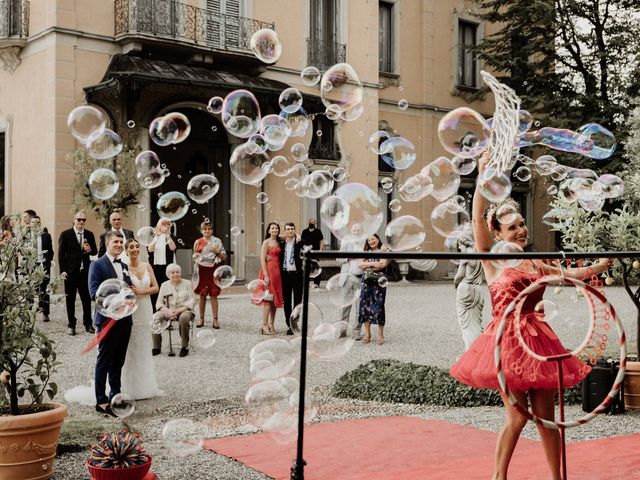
[(291, 272), (115, 222), (372, 293), (350, 280), (270, 260), (161, 253), (175, 303), (44, 246), (212, 249)]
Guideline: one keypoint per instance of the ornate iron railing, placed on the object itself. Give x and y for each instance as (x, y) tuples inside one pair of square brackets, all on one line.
[(324, 53), (14, 18), (179, 21)]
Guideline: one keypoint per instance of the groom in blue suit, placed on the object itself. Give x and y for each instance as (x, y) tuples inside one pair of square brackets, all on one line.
[(112, 350)]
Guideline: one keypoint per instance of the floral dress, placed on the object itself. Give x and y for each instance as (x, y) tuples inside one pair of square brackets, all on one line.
[(372, 297)]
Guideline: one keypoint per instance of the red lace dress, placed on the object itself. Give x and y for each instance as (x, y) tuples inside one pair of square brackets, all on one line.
[(275, 278), (476, 367)]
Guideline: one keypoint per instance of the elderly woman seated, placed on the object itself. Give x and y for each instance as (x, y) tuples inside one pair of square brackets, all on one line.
[(175, 302)]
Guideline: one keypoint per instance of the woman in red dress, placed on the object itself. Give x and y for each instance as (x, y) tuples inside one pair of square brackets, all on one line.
[(527, 378), (270, 273)]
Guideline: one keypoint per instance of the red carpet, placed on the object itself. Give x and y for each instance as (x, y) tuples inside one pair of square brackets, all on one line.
[(412, 448)]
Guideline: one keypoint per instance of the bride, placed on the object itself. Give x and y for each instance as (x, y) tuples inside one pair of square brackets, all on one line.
[(138, 374)]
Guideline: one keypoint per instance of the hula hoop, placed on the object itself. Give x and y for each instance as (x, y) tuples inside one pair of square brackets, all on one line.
[(516, 307)]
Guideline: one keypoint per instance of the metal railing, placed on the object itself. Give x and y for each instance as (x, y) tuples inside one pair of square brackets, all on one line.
[(14, 19), (325, 53), (171, 19)]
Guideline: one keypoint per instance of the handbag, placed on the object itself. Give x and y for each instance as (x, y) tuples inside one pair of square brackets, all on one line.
[(268, 297), (373, 274)]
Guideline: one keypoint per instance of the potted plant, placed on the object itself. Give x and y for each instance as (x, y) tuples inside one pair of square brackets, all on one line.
[(119, 456), (29, 428)]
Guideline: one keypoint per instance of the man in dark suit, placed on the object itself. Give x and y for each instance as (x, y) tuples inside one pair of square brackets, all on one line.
[(115, 220), (75, 246), (112, 350), (291, 272), (44, 245)]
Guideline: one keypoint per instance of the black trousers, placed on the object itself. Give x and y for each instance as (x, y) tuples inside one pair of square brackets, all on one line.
[(160, 271), (78, 283), (112, 352), (43, 295), (291, 287)]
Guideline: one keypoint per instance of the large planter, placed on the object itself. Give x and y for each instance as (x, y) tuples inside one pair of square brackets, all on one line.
[(137, 472), (28, 443), (632, 385)]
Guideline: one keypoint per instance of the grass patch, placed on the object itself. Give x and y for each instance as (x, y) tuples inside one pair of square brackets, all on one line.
[(392, 381), (79, 434)]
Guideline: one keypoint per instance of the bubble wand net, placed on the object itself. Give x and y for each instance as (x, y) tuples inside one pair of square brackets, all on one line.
[(505, 124)]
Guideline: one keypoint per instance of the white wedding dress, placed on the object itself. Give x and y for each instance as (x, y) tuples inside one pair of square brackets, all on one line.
[(138, 373)]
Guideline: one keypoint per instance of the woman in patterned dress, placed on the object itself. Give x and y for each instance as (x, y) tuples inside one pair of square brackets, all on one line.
[(372, 294)]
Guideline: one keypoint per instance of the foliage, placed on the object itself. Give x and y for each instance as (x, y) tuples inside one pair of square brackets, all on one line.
[(128, 193), (398, 382), (26, 353), (572, 62), (118, 450)]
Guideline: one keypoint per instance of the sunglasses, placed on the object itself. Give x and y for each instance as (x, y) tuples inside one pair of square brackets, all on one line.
[(81, 219)]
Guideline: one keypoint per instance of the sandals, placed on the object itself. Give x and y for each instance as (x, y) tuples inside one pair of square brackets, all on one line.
[(216, 325), (200, 323), (366, 340)]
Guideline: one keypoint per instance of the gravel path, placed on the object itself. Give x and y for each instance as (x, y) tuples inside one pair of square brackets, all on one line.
[(208, 385)]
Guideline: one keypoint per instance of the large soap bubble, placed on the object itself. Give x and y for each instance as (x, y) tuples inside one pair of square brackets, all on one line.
[(444, 178), (203, 187), (338, 294), (318, 183), (103, 183), (334, 212), (85, 121), (404, 233), (145, 235), (223, 276), (266, 45), (115, 299), (176, 125), (398, 152), (310, 76), (123, 405), (271, 359), (246, 166), (365, 216), (330, 341), (298, 122), (506, 247), (258, 290), (609, 186), (241, 113), (464, 132), (449, 219), (494, 186), (183, 437), (376, 139), (172, 205), (341, 86), (104, 144), (290, 100)]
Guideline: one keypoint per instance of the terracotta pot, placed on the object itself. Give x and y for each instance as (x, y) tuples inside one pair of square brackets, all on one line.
[(28, 443), (632, 385), (137, 472)]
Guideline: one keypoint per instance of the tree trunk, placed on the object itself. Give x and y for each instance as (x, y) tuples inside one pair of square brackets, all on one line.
[(13, 391)]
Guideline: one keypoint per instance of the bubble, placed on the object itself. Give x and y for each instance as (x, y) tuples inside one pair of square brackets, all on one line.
[(387, 184), (262, 197), (403, 104), (318, 183), (194, 210), (404, 233), (364, 212), (145, 236), (271, 359), (290, 100), (600, 142), (330, 341), (609, 186), (310, 76), (165, 172), (158, 135), (353, 113), (552, 190), (115, 299), (383, 281), (506, 247), (247, 167), (318, 133), (257, 144), (266, 45), (291, 184), (333, 112), (122, 405), (506, 214), (339, 296), (223, 276), (172, 206), (395, 205), (444, 178), (215, 105), (376, 139), (258, 289), (523, 174), (183, 437), (462, 165), (526, 121), (339, 174), (299, 152), (235, 231), (314, 317), (85, 121), (280, 166), (416, 187), (104, 144), (494, 186), (176, 125), (464, 132), (241, 113), (205, 338), (103, 183), (398, 152), (423, 265), (546, 310), (449, 219), (201, 188), (334, 212), (341, 86), (298, 123)]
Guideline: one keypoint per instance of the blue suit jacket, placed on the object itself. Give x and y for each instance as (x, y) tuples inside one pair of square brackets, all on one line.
[(99, 271)]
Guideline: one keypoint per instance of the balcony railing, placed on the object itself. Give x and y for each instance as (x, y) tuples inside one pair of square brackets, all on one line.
[(171, 19), (325, 53), (14, 19)]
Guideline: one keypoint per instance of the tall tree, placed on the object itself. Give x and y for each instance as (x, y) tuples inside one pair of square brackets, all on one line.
[(571, 61)]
